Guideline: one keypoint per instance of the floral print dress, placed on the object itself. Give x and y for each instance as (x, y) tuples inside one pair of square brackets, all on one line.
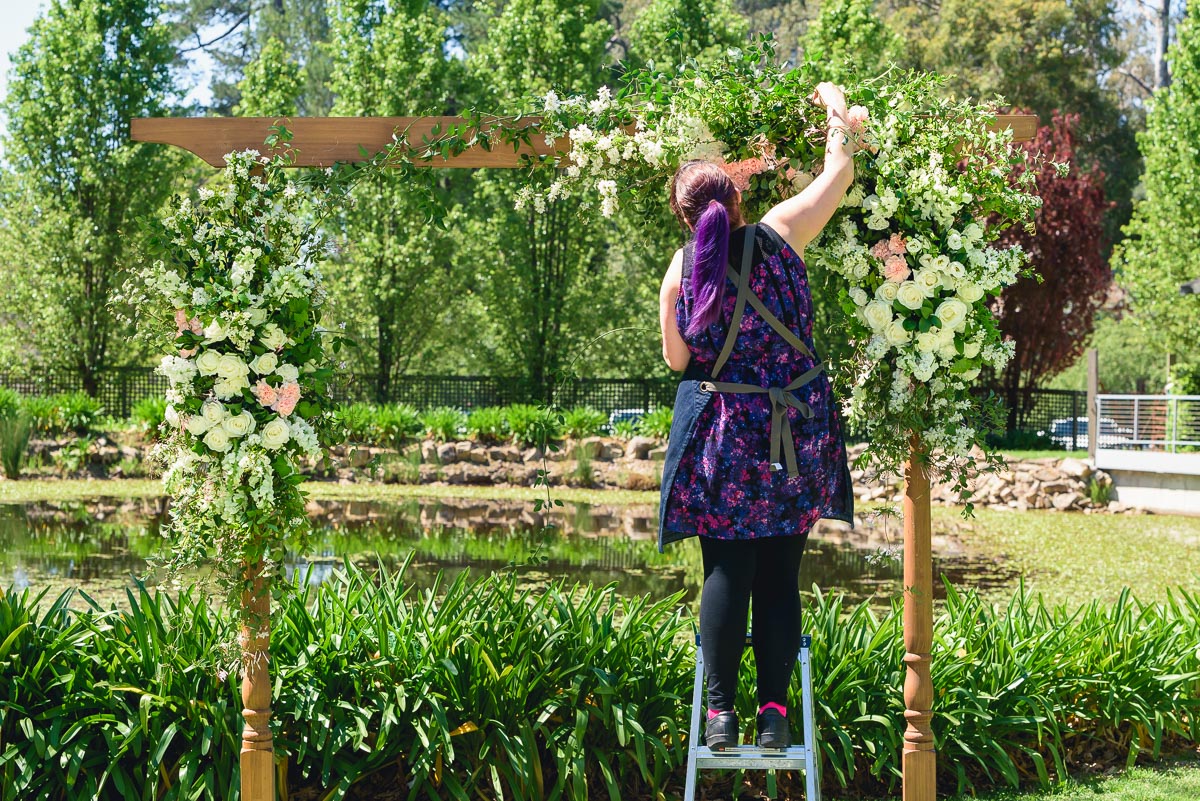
[(717, 479)]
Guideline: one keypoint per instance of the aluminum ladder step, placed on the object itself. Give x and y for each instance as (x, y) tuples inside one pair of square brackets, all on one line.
[(801, 757)]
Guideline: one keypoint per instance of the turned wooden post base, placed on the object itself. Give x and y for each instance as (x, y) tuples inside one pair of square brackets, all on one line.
[(258, 748), (918, 760)]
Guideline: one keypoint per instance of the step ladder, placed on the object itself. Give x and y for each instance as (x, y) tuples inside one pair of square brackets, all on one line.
[(801, 757)]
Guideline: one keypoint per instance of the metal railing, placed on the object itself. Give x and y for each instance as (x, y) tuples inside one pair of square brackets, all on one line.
[(1148, 422)]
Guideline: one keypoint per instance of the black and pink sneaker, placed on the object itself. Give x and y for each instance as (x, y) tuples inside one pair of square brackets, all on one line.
[(721, 731)]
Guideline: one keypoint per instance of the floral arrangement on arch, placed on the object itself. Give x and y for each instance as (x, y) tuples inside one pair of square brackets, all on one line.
[(232, 291), (910, 251)]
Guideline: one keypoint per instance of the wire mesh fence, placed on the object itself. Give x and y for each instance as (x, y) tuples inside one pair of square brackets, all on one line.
[(1058, 415)]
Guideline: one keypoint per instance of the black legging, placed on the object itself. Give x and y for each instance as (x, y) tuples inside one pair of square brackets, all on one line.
[(767, 568)]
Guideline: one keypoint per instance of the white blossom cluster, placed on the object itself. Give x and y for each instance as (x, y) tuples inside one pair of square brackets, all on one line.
[(237, 382)]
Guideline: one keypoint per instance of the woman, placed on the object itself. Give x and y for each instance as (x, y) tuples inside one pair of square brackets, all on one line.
[(756, 454)]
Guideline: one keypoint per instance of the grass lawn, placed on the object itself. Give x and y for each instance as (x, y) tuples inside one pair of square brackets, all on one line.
[(1070, 558), (1051, 454), (1178, 783)]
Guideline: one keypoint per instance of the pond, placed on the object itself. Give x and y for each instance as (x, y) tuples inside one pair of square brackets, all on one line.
[(100, 546)]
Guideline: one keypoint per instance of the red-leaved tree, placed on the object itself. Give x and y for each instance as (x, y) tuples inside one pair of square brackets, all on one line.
[(1050, 320)]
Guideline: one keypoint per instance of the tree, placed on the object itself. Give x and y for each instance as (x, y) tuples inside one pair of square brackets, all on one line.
[(849, 39), (396, 280), (667, 32), (1158, 254), (272, 84), (75, 185), (1044, 56), (543, 285), (1052, 317)]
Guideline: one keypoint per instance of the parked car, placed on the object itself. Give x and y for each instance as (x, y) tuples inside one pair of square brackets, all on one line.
[(1111, 435), (624, 416)]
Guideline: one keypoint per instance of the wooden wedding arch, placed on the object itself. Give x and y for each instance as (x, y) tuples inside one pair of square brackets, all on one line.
[(324, 141)]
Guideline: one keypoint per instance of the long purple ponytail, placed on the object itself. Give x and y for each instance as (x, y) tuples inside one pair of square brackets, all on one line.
[(708, 266), (704, 199)]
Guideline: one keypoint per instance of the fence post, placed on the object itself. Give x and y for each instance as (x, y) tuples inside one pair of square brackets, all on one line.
[(1093, 388), (1074, 421)]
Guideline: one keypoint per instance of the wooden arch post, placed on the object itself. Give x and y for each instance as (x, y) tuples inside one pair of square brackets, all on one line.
[(324, 141)]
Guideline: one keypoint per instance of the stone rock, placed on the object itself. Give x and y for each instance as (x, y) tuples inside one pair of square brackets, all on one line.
[(462, 448), (504, 453), (640, 447), (476, 455), (447, 453), (1046, 474), (1076, 468), (358, 457), (1058, 487), (1065, 500), (531, 455), (659, 454), (593, 447), (429, 451)]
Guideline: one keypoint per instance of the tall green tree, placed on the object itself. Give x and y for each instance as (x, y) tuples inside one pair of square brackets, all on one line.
[(1040, 55), (850, 39), (74, 184), (544, 285), (272, 85), (396, 281), (1158, 254), (668, 32)]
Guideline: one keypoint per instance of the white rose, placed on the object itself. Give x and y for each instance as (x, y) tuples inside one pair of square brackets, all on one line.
[(953, 314), (273, 337), (929, 341), (954, 240), (971, 350), (213, 412), (257, 316), (230, 388), (239, 425), (915, 245), (968, 292), (947, 351), (970, 375), (287, 372), (231, 366), (896, 334), (887, 291), (929, 280), (217, 439), (973, 233), (910, 295), (196, 425), (171, 416), (207, 362), (275, 434), (215, 332), (877, 315), (858, 295), (265, 363)]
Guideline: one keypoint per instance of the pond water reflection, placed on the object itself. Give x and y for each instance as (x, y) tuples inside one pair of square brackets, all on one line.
[(98, 547)]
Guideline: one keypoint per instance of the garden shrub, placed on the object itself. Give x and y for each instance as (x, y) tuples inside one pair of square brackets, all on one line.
[(488, 424), (397, 423), (584, 421), (359, 421), (475, 687), (656, 422), (533, 425), (444, 423), (15, 431), (149, 413), (10, 403), (78, 412)]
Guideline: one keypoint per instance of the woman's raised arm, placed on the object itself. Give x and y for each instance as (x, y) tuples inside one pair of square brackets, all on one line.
[(799, 219)]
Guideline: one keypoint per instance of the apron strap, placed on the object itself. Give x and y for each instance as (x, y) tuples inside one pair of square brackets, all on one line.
[(743, 284)]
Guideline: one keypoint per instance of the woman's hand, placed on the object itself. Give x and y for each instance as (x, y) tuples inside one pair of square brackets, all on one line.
[(830, 97)]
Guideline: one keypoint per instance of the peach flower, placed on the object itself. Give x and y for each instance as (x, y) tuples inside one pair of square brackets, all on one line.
[(265, 393), (286, 398), (896, 268)]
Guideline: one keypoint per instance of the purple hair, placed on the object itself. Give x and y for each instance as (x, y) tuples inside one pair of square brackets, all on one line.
[(708, 266), (703, 198)]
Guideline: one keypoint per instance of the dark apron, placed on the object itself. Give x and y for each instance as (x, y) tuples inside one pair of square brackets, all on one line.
[(696, 388)]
